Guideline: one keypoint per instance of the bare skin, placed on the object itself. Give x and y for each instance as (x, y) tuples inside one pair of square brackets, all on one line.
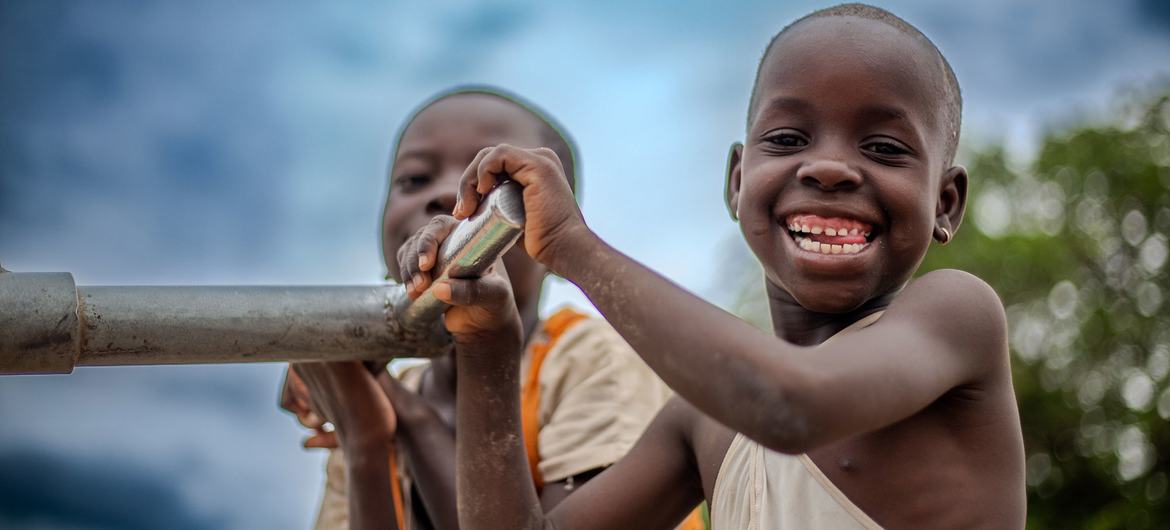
[(913, 418), (434, 150)]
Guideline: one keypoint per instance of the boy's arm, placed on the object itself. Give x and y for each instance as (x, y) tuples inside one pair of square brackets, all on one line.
[(655, 486), (947, 329), (429, 445), (346, 394)]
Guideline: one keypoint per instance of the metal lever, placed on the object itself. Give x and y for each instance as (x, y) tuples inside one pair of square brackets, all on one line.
[(50, 325)]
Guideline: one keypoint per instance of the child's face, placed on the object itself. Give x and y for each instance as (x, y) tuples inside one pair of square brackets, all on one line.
[(847, 138), (434, 151)]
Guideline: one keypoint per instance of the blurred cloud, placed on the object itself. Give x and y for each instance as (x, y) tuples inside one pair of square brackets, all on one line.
[(45, 490), (220, 142), (212, 432)]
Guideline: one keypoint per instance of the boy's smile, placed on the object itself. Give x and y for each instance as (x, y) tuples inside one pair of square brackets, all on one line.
[(843, 175), (829, 235)]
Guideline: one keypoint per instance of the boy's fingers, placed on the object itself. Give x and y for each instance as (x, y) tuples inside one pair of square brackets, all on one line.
[(299, 369), (549, 154), (315, 378), (405, 264), (311, 420), (321, 440), (409, 267), (312, 373), (492, 167), (467, 202), (514, 161), (489, 292), (429, 240), (289, 390)]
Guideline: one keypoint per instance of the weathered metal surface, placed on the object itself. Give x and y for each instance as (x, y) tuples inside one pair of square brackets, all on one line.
[(48, 325), (38, 323), (190, 325)]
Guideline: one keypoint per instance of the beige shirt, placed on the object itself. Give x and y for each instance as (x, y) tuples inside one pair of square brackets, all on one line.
[(596, 398), (761, 489)]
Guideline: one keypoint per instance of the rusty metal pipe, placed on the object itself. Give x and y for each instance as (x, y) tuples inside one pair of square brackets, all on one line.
[(50, 325)]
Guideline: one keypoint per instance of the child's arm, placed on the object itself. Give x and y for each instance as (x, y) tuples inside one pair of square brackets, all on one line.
[(655, 487), (346, 394), (294, 398), (429, 445), (945, 330)]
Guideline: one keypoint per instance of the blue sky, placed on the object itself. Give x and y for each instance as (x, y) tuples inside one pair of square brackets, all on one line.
[(226, 142)]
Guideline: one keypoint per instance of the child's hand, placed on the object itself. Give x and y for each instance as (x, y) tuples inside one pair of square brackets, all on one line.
[(483, 313), (347, 395), (418, 255), (295, 398), (551, 212)]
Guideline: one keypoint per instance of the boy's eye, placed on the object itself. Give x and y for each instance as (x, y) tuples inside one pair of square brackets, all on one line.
[(411, 182), (787, 139), (885, 148)]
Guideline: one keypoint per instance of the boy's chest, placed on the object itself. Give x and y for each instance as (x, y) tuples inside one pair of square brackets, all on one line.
[(912, 468)]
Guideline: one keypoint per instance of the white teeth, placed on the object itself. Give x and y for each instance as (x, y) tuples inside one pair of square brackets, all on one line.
[(830, 231), (825, 248), (853, 232), (817, 230), (805, 229)]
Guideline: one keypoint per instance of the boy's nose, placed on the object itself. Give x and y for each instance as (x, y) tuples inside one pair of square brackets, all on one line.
[(442, 202), (829, 175)]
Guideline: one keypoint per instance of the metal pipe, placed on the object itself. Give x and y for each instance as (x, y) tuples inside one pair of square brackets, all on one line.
[(49, 325)]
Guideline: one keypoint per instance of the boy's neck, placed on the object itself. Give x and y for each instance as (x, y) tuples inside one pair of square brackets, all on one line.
[(796, 324)]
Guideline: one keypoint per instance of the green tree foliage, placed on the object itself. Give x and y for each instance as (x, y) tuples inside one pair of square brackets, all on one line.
[(1076, 245), (1075, 242)]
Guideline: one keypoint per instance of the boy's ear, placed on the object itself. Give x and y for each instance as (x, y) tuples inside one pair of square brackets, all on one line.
[(731, 186), (952, 203)]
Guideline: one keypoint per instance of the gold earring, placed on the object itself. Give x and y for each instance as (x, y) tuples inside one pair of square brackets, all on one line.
[(945, 237)]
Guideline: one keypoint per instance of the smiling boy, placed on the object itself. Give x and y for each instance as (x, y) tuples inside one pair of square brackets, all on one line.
[(906, 418)]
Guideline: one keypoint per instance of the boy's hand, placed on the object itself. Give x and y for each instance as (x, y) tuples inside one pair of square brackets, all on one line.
[(347, 395), (483, 312), (418, 255), (294, 398), (551, 212)]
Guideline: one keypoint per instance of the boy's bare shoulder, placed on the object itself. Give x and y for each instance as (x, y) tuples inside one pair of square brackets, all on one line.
[(961, 306)]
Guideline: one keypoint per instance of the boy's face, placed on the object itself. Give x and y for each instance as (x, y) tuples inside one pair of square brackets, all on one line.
[(847, 139), (434, 151)]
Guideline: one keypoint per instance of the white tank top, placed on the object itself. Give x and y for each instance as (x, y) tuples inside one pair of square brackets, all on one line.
[(761, 489)]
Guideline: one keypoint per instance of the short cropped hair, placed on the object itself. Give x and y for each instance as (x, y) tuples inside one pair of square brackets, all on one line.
[(552, 134), (952, 96)]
